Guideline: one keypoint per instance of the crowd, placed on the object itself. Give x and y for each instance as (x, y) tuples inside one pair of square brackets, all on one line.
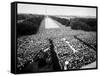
[(89, 39), (31, 48), (28, 48), (84, 56)]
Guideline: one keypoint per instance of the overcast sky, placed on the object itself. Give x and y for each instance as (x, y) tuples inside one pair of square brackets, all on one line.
[(56, 10)]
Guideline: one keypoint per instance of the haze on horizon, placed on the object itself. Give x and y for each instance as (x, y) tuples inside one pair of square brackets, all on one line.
[(56, 10)]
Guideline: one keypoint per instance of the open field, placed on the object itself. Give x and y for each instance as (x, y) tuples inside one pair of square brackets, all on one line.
[(38, 52)]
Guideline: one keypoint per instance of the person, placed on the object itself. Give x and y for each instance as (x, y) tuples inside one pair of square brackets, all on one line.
[(65, 66)]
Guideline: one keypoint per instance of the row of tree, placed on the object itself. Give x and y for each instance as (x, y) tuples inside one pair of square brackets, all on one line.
[(86, 24), (28, 24)]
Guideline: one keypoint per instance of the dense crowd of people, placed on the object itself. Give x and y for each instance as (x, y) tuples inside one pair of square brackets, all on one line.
[(46, 51), (85, 55), (31, 49)]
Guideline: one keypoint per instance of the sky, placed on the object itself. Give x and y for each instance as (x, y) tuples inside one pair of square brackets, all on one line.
[(56, 10)]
